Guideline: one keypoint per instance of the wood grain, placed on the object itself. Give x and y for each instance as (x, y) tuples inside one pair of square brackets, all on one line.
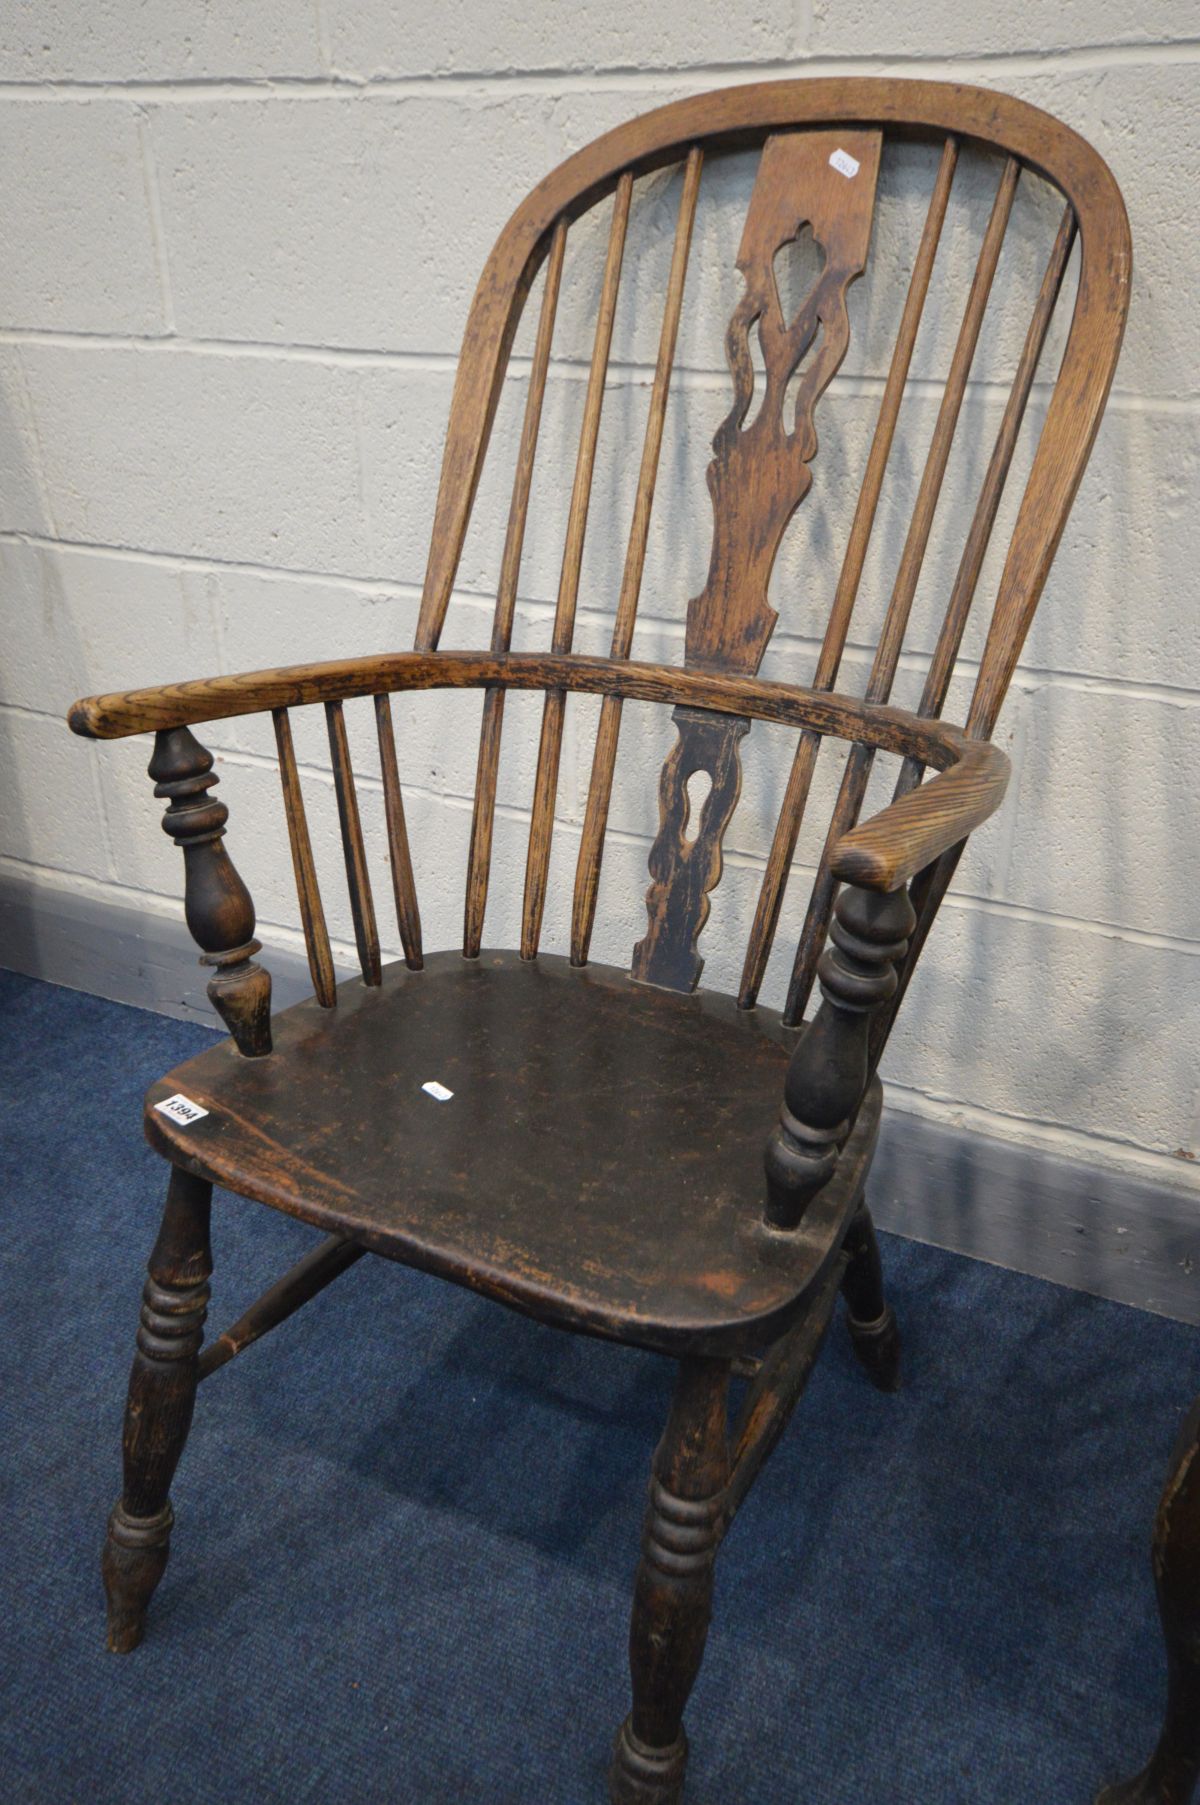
[(595, 821), (483, 817), (358, 881), (857, 773), (545, 788), (941, 667), (759, 474), (736, 118), (593, 1165), (312, 912), (404, 889), (795, 801), (118, 715)]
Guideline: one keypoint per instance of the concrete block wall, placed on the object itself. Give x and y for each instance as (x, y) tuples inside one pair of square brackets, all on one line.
[(240, 246)]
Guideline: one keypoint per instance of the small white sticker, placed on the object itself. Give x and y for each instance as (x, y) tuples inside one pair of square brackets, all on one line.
[(844, 163), (434, 1089), (181, 1109)]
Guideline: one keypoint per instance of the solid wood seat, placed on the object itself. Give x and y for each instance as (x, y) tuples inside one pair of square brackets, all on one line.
[(656, 1236)]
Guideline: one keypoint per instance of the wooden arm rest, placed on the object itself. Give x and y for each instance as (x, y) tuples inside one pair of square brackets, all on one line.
[(882, 854), (889, 849), (117, 715)]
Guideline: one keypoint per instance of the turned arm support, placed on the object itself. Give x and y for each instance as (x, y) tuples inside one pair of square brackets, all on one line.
[(217, 905), (830, 1067), (873, 922)]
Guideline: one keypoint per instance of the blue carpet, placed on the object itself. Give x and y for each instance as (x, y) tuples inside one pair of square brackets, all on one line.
[(407, 1523)]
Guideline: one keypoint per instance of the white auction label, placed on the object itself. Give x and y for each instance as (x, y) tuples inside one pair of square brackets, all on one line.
[(844, 163), (181, 1109)]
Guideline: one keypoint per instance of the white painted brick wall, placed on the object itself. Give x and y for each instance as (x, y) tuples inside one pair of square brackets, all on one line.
[(239, 248)]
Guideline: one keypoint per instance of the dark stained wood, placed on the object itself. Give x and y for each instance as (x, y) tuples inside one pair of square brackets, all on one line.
[(663, 1243), (158, 1414), (829, 1070), (672, 1599), (591, 845), (217, 905), (871, 1320), (362, 907), (685, 860), (312, 912), (545, 789), (1172, 1775), (309, 1276), (761, 471), (778, 1386), (759, 475), (404, 889), (599, 1161)]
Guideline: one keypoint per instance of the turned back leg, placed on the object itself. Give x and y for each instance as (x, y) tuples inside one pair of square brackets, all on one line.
[(158, 1413), (872, 1320), (673, 1592)]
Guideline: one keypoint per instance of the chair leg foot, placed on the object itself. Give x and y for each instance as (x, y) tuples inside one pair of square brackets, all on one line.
[(133, 1562), (640, 1775), (877, 1345), (872, 1321), (158, 1412), (672, 1601)]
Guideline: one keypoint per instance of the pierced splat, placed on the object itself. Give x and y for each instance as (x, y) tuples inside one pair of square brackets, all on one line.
[(685, 861), (759, 474)]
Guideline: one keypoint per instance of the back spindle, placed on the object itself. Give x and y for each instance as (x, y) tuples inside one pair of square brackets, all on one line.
[(887, 655), (404, 889), (362, 908), (541, 827), (941, 667), (791, 814), (483, 819), (312, 914), (591, 847)]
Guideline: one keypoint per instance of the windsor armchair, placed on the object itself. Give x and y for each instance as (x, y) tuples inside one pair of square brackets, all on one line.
[(606, 1159)]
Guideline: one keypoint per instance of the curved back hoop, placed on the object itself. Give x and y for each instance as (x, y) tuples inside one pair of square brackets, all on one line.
[(743, 117), (797, 124)]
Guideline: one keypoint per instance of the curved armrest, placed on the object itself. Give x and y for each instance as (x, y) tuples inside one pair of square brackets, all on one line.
[(881, 854), (933, 742), (889, 849)]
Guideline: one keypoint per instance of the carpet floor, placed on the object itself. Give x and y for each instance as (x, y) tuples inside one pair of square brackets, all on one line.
[(407, 1522)]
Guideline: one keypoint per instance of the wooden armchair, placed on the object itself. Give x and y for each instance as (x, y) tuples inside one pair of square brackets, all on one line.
[(623, 1154)]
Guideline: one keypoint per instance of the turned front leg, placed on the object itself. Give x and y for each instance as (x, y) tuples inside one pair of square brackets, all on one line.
[(672, 1600), (158, 1414), (828, 1073), (220, 914), (1174, 1769)]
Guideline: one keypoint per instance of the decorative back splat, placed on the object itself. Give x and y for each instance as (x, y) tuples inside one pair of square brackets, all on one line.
[(759, 475)]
